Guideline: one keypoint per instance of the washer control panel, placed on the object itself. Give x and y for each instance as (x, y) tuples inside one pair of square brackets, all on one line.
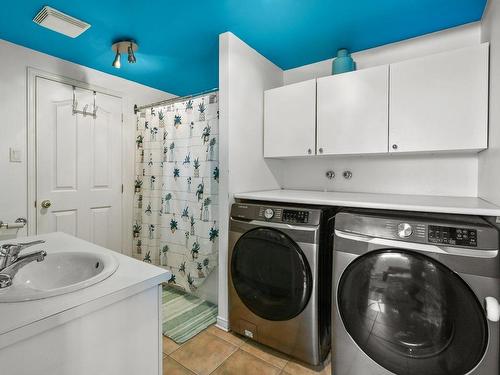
[(295, 216), (452, 235), (443, 230)]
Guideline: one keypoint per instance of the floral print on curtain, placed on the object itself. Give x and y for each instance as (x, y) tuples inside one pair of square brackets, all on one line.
[(176, 189)]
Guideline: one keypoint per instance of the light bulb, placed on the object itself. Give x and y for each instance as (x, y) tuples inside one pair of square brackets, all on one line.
[(116, 62)]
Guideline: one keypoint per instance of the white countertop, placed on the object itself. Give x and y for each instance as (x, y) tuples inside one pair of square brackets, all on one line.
[(423, 203), (22, 319)]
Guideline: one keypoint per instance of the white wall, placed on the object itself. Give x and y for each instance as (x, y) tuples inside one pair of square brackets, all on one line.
[(454, 175), (13, 93), (489, 160), (438, 174), (244, 74)]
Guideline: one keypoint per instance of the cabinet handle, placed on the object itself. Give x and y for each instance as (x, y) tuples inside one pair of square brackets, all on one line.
[(320, 150), (309, 151), (394, 146)]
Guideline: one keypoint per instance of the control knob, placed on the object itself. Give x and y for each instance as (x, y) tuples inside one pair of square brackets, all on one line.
[(404, 230), (268, 213)]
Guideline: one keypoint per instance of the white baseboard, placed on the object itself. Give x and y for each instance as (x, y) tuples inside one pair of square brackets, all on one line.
[(222, 324)]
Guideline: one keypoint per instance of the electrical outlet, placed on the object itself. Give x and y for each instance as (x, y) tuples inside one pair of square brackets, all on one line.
[(16, 155)]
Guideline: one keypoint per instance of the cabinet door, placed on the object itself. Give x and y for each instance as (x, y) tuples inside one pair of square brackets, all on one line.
[(353, 112), (290, 120), (440, 102)]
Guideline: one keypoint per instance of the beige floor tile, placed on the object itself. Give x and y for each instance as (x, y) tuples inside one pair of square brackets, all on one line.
[(297, 368), (171, 367), (243, 363), (169, 345), (203, 353), (269, 355), (231, 337)]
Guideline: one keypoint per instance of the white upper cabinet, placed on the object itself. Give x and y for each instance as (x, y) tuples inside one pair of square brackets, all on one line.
[(429, 104), (290, 120), (353, 113), (440, 102)]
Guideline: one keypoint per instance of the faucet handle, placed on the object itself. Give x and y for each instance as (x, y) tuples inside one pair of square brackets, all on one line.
[(5, 281), (12, 249), (32, 243)]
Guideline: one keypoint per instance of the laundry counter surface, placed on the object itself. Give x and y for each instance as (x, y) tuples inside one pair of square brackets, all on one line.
[(421, 203)]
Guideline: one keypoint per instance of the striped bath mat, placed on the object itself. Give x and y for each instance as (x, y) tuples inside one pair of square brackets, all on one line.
[(185, 315)]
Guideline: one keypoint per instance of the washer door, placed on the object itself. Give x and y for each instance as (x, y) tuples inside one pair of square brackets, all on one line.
[(411, 314), (271, 274)]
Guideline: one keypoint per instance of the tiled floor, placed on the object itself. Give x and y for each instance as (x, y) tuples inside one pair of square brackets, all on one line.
[(221, 353)]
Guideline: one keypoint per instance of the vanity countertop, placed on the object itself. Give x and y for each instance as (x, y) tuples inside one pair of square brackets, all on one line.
[(422, 203), (23, 319)]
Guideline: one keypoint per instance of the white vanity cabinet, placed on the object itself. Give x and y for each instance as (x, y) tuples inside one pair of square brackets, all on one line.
[(440, 102), (352, 112), (290, 120), (113, 327)]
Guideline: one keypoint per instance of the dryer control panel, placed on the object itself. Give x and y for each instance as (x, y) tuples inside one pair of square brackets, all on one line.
[(295, 216), (276, 214), (452, 235)]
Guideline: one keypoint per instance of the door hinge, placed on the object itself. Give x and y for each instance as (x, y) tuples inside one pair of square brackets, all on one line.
[(122, 117), (35, 204), (122, 188)]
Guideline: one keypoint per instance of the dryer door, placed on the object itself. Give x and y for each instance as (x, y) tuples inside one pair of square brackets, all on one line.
[(411, 314), (270, 274)]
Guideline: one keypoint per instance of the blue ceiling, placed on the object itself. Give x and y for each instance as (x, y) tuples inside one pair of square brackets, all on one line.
[(178, 39)]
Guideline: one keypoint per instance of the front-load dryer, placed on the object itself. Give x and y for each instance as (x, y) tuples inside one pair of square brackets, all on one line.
[(280, 277), (415, 294)]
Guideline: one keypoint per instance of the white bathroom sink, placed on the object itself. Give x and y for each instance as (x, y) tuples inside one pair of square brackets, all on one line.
[(59, 273)]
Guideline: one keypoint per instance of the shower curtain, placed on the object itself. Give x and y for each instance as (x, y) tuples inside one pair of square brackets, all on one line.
[(176, 189)]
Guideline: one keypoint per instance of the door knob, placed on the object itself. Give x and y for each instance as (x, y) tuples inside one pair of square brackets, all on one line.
[(46, 203)]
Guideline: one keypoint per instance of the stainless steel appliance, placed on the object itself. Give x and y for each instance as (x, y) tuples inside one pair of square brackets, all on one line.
[(415, 294), (280, 277)]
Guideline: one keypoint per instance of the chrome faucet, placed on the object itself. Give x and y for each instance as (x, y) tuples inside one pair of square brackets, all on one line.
[(11, 261)]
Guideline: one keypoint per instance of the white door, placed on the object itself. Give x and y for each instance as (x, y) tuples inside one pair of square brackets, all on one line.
[(353, 112), (78, 164), (440, 102), (290, 120)]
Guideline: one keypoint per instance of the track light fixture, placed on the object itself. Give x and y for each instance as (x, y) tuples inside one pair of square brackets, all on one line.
[(131, 56), (122, 47)]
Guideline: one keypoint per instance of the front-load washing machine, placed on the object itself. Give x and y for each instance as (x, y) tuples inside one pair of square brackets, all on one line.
[(280, 264), (415, 294)]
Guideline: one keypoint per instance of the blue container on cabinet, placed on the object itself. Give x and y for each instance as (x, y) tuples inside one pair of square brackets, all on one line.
[(343, 62)]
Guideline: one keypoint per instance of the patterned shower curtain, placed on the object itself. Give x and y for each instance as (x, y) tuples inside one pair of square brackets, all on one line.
[(176, 189)]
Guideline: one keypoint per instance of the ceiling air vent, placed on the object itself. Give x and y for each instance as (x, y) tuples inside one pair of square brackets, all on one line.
[(59, 22)]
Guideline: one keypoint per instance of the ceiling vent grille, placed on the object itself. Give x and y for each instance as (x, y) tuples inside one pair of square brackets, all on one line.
[(59, 22)]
